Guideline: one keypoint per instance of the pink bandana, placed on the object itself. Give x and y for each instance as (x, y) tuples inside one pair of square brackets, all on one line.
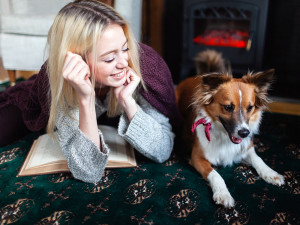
[(207, 127)]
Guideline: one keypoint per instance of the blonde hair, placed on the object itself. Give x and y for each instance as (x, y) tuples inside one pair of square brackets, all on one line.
[(77, 28)]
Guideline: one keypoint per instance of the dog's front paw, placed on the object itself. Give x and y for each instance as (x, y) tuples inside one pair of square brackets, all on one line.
[(273, 177), (221, 194), (224, 198)]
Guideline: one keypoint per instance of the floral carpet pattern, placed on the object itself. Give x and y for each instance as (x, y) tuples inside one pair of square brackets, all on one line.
[(169, 193)]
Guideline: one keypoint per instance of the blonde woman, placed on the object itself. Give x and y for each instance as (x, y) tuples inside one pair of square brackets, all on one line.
[(94, 69)]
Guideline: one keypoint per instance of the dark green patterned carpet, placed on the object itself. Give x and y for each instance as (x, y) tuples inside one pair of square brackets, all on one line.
[(169, 193)]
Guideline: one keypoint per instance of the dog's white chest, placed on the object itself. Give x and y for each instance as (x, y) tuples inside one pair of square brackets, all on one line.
[(220, 150)]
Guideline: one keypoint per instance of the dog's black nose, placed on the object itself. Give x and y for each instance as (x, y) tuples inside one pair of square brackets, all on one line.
[(243, 133)]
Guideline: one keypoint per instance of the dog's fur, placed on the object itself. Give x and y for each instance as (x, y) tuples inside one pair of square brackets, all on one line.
[(234, 108)]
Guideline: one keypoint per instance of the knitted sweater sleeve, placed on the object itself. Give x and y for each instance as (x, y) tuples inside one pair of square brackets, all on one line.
[(85, 160), (149, 132)]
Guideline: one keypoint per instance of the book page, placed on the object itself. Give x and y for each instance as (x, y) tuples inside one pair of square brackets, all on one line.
[(49, 151), (116, 143)]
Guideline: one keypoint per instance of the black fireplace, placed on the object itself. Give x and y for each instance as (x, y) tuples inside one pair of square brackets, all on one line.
[(234, 27)]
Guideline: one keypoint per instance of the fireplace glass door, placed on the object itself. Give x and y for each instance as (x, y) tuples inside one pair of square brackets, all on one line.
[(223, 27)]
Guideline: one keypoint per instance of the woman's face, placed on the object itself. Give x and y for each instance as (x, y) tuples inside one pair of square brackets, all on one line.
[(112, 61)]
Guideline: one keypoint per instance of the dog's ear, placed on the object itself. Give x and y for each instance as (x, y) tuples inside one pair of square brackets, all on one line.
[(210, 83), (214, 80), (262, 81)]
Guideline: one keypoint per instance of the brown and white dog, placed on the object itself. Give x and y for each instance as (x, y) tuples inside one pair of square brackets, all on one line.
[(220, 115)]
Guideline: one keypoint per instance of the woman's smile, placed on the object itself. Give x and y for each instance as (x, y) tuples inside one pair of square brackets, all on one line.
[(119, 76)]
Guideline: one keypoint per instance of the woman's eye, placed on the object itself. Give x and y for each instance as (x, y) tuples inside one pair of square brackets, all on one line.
[(109, 60), (125, 50), (229, 108)]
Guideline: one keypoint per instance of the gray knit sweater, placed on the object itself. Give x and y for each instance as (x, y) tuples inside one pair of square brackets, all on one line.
[(149, 132)]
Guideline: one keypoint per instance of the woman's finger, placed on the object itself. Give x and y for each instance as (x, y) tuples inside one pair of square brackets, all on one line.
[(117, 91), (128, 78), (71, 61), (79, 72)]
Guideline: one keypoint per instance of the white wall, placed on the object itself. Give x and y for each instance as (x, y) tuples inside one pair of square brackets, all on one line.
[(4, 8), (131, 11)]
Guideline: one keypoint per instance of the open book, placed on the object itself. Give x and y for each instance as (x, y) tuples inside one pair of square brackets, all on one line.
[(46, 156)]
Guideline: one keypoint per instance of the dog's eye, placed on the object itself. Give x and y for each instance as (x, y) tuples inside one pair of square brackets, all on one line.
[(250, 107), (229, 108)]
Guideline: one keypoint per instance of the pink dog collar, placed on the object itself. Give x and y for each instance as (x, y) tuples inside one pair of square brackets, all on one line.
[(207, 127)]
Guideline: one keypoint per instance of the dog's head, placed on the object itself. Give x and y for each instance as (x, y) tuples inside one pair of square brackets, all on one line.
[(235, 103)]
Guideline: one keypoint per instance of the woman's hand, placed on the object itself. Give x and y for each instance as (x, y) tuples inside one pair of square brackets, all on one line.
[(77, 73), (124, 93)]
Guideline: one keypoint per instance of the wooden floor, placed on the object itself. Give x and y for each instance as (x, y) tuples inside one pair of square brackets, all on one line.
[(285, 106), (279, 105), (24, 74), (3, 72)]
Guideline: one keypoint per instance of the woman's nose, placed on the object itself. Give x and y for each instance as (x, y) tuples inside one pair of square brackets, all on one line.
[(122, 60)]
